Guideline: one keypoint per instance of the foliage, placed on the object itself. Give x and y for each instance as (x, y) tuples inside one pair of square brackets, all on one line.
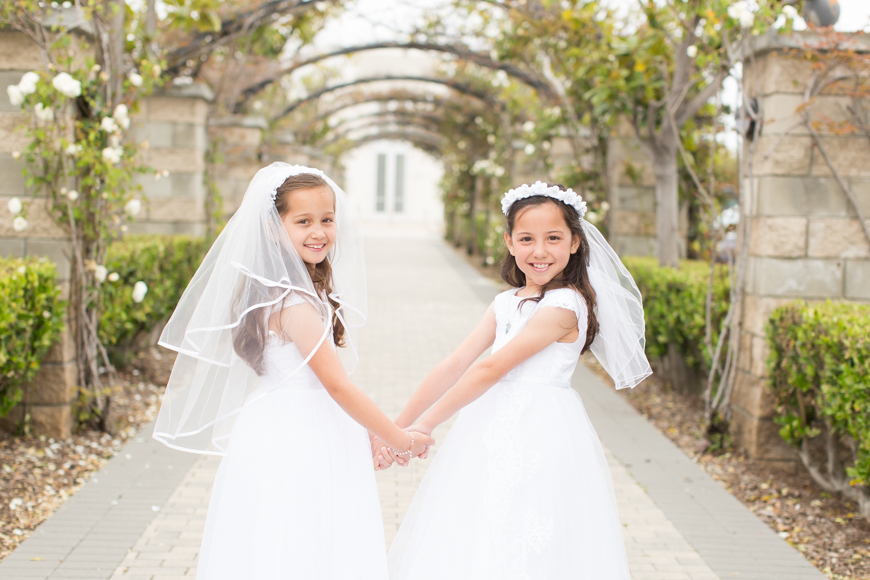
[(31, 320), (165, 264), (674, 305), (819, 366)]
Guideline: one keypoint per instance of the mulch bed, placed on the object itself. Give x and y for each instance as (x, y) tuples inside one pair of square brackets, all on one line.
[(824, 528), (39, 473)]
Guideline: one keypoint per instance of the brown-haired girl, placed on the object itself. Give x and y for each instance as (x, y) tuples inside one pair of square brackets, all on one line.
[(520, 488), (258, 380)]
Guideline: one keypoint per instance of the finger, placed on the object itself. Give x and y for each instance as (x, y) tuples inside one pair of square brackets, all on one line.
[(388, 457)]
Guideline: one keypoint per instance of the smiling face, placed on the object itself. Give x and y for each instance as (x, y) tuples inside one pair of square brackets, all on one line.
[(541, 242), (310, 222)]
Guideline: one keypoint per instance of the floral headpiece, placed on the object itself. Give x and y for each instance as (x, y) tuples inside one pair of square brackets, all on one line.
[(567, 197)]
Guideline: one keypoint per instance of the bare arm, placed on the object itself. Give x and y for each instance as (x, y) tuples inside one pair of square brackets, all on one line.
[(305, 331), (448, 371), (546, 327)]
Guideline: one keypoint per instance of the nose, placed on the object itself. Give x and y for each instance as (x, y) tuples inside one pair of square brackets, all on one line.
[(540, 249), (317, 232)]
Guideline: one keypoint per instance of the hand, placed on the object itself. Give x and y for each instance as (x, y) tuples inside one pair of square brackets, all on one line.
[(422, 441), (426, 430), (381, 455)]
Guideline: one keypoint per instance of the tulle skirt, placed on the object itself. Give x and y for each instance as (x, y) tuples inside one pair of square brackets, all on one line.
[(520, 489), (295, 497)]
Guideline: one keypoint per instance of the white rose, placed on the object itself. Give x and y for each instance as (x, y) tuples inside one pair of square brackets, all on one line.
[(73, 195), (121, 116), (790, 12), (133, 207), (72, 149), (100, 273), (736, 9), (21, 270), (108, 125), (156, 71), (529, 126), (16, 97), (529, 149), (27, 84), (692, 51), (16, 155), (66, 85), (747, 19), (15, 206), (112, 155), (43, 113), (114, 277), (135, 79), (19, 224), (140, 289)]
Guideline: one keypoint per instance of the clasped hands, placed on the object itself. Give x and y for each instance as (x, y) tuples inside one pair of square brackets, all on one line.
[(383, 456)]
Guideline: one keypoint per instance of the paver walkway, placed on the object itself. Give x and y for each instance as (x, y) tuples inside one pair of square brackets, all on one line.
[(146, 523)]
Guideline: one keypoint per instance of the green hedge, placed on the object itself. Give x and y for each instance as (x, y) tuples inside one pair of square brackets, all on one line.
[(674, 305), (819, 367), (165, 264), (31, 320)]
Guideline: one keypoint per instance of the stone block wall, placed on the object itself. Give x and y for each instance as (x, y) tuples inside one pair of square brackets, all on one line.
[(238, 144), (632, 195), (806, 241), (54, 387), (174, 123)]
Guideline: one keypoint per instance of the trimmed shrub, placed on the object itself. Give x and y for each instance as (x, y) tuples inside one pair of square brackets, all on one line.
[(165, 264), (819, 366), (674, 306), (31, 320)]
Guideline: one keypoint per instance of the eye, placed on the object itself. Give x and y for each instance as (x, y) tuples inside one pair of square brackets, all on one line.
[(303, 221), (525, 239), (328, 220), (555, 238)]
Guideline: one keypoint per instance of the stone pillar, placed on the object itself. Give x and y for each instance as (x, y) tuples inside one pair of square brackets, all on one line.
[(237, 142), (806, 241), (632, 195), (173, 122), (54, 387)]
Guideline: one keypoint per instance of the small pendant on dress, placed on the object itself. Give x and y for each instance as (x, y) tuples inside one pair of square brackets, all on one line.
[(507, 328)]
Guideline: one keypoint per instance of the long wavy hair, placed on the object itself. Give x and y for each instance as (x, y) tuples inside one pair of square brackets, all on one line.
[(576, 273), (249, 338)]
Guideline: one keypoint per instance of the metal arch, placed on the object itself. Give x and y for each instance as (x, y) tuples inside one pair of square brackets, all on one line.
[(456, 86)]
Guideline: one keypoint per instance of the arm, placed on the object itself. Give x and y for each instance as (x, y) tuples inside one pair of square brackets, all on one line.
[(448, 371), (305, 331), (546, 327)]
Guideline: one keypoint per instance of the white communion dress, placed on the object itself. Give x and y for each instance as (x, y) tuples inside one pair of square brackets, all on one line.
[(520, 488), (295, 496)]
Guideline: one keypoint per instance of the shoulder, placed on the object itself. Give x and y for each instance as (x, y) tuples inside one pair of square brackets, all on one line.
[(567, 298), (504, 297)]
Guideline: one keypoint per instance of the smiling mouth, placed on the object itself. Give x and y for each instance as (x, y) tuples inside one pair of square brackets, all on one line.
[(539, 267), (315, 247)]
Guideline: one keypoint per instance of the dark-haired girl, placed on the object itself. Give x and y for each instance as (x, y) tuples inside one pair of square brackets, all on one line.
[(521, 488)]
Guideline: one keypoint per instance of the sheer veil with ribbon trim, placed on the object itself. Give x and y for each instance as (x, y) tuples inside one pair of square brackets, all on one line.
[(251, 272)]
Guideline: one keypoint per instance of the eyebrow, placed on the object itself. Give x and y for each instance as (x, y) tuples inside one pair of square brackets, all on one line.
[(549, 232)]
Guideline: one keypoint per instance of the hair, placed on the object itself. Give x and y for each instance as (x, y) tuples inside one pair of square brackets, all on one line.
[(249, 338), (576, 273)]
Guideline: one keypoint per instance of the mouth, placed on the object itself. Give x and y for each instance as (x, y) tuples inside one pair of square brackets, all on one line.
[(315, 247), (539, 266)]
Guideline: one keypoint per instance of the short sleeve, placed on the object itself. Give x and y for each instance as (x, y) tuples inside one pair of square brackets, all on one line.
[(569, 299)]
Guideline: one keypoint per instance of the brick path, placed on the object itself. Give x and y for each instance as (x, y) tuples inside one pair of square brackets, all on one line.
[(679, 524)]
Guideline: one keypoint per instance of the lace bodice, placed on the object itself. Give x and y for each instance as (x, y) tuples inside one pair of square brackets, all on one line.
[(554, 364)]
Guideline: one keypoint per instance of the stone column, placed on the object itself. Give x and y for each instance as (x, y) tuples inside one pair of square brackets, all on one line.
[(632, 195), (173, 122), (54, 387), (237, 141), (806, 241)]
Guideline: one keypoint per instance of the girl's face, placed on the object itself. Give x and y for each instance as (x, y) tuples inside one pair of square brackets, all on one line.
[(541, 242), (310, 222)]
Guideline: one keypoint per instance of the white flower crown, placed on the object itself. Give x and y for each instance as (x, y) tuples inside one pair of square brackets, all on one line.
[(567, 197)]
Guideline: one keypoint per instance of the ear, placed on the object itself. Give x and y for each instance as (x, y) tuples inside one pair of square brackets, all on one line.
[(509, 243), (575, 243)]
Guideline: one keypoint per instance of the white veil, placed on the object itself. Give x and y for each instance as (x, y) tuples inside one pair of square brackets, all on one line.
[(249, 273), (619, 345)]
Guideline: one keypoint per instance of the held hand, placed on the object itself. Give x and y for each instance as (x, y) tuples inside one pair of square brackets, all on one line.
[(420, 428), (422, 441), (381, 456)]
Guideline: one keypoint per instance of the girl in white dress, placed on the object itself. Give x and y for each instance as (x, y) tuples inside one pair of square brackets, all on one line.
[(258, 380), (520, 488)]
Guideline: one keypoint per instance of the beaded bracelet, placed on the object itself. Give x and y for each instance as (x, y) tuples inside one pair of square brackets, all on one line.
[(404, 453)]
